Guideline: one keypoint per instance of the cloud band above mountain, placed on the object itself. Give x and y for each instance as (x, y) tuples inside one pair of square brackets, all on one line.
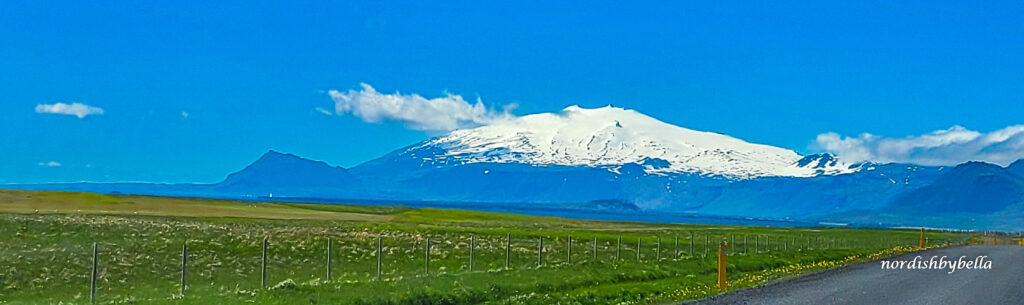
[(942, 147), (444, 113)]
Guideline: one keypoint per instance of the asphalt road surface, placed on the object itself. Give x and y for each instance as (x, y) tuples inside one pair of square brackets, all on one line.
[(868, 283)]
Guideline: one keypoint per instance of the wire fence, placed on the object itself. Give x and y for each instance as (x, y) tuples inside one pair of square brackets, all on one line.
[(125, 260), (390, 257)]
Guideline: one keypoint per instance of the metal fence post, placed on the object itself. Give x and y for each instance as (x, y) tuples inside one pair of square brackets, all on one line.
[(568, 250), (638, 245), (540, 251), (691, 245), (508, 249), (618, 248), (263, 265), (676, 254), (184, 262), (95, 272), (472, 244), (595, 248), (658, 255), (426, 257), (380, 256), (707, 244), (329, 258)]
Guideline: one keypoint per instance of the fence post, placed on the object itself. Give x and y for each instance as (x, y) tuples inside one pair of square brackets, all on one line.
[(676, 254), (380, 256), (618, 248), (595, 248), (732, 239), (921, 243), (568, 250), (508, 249), (184, 261), (756, 238), (540, 251), (691, 245), (329, 258), (745, 244), (95, 272), (638, 245), (767, 243), (263, 265), (472, 244), (707, 244), (721, 266), (426, 257), (658, 255)]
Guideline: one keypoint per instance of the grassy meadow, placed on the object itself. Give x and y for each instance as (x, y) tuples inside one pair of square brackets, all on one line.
[(46, 244)]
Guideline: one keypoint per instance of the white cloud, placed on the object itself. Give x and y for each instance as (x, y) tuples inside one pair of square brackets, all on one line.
[(942, 147), (184, 114), (75, 109), (50, 164), (444, 113), (324, 111)]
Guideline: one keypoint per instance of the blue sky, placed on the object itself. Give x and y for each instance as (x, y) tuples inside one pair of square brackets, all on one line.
[(250, 74)]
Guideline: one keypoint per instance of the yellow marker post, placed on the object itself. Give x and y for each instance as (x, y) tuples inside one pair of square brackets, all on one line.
[(972, 238), (721, 266)]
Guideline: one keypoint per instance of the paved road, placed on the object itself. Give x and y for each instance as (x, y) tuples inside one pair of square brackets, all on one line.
[(868, 283)]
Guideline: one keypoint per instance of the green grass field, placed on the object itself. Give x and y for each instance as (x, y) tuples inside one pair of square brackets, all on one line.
[(46, 243)]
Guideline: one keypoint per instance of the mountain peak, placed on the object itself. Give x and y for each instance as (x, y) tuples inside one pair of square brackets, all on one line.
[(606, 108), (612, 136), (977, 166), (971, 187), (273, 158), (277, 169), (273, 154), (822, 160)]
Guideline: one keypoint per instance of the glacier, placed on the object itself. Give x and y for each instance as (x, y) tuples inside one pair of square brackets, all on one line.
[(627, 165)]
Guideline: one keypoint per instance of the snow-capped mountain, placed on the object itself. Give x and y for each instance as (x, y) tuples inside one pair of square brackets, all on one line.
[(609, 137), (612, 162)]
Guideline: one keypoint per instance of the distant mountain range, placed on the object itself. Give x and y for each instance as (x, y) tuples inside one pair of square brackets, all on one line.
[(614, 161)]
